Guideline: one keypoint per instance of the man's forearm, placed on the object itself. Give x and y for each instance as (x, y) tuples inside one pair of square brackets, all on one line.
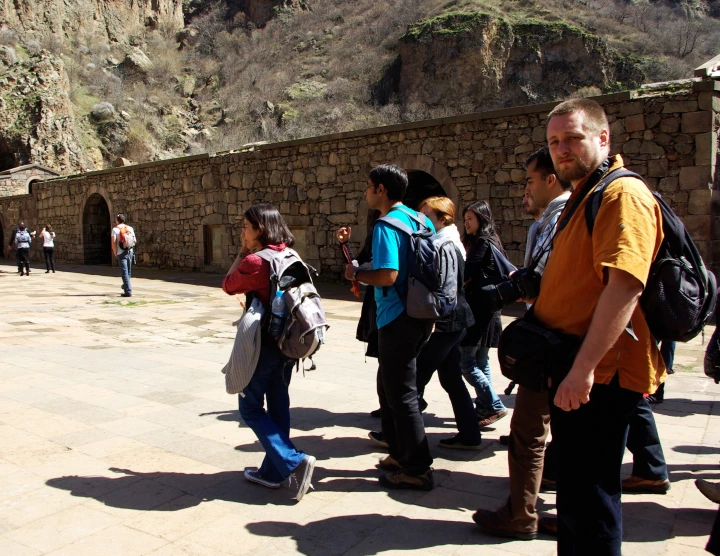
[(612, 314), (380, 277)]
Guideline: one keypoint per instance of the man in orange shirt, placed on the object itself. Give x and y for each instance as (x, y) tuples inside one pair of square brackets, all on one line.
[(590, 289)]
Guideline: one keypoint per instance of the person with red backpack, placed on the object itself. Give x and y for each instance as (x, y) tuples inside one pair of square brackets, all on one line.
[(264, 229), (122, 242)]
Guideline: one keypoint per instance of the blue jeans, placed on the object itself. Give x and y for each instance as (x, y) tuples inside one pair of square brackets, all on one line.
[(272, 427), (644, 444), (125, 261), (475, 367)]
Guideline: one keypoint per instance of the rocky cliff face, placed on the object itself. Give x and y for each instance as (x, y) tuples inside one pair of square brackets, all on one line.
[(114, 18), (485, 62), (36, 116)]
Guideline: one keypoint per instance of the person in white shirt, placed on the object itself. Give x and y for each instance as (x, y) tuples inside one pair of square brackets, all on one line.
[(124, 256), (48, 237)]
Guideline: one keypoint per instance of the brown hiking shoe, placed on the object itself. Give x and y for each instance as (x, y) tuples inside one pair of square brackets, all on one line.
[(389, 463), (400, 480), (638, 485), (548, 525), (711, 491), (491, 523), (490, 420)]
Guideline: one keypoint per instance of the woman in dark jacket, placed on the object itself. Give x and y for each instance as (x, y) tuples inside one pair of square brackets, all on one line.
[(480, 270), (442, 351), (264, 228)]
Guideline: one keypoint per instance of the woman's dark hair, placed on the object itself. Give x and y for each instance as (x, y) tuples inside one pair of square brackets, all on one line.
[(482, 211), (393, 178), (21, 225), (48, 227), (267, 220)]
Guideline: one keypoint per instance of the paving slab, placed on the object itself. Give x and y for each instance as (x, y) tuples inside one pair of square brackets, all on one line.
[(117, 436)]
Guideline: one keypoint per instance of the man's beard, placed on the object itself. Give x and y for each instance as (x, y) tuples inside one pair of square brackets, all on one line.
[(578, 172)]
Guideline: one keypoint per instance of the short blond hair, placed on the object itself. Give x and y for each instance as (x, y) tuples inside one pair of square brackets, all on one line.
[(595, 117), (443, 207)]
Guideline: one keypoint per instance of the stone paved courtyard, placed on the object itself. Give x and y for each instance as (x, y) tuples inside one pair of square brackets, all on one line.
[(117, 437)]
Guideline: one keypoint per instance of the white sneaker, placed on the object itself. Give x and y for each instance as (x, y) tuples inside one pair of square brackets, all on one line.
[(300, 479), (252, 474)]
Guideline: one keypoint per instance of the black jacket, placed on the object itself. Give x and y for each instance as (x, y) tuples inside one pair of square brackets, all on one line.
[(480, 270)]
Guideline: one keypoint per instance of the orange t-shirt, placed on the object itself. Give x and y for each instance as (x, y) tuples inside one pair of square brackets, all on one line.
[(626, 236)]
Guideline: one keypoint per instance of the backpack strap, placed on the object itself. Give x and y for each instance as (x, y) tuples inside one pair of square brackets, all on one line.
[(595, 199)]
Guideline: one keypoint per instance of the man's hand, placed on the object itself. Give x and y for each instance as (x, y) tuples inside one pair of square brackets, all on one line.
[(350, 271), (343, 234), (613, 311), (574, 390)]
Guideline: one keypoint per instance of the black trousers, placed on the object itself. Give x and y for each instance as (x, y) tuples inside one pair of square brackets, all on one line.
[(442, 353), (49, 258), (590, 443), (399, 344), (23, 259)]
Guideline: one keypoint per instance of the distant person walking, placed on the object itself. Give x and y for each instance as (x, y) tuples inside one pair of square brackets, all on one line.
[(22, 246), (11, 243), (48, 237), (122, 242)]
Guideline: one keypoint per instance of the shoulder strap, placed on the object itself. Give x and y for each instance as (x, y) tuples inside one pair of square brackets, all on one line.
[(399, 224), (416, 216), (595, 200)]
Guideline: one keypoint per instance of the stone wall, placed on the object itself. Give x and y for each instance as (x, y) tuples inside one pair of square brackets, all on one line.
[(669, 136), (17, 181)]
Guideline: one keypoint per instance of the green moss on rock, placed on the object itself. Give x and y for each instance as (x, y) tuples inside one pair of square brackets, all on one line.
[(447, 24)]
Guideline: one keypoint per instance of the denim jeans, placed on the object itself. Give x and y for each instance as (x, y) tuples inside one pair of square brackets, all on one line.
[(590, 442), (125, 262), (644, 444), (442, 353), (475, 367), (272, 427)]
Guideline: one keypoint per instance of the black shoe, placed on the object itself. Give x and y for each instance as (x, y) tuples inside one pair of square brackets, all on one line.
[(47, 272), (125, 294), (456, 443), (504, 439), (399, 480), (377, 438), (376, 413)]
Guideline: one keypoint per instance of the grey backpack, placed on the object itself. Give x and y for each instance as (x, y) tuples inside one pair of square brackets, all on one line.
[(305, 322)]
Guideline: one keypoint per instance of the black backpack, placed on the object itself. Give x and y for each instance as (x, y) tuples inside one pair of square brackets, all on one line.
[(680, 294)]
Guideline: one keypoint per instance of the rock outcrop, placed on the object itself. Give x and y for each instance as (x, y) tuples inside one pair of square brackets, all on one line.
[(481, 61), (114, 18), (36, 118)]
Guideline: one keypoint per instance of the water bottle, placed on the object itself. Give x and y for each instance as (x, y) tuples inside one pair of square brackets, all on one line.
[(277, 319)]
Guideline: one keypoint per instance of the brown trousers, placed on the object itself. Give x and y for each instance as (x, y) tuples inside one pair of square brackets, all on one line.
[(529, 428)]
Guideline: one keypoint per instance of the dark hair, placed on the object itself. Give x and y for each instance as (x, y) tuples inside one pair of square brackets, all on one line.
[(48, 227), (21, 225), (268, 221), (544, 165), (393, 178), (372, 217), (120, 218), (595, 117), (482, 211)]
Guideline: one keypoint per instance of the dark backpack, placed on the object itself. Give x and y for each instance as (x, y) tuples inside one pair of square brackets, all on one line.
[(305, 322), (680, 294), (432, 264)]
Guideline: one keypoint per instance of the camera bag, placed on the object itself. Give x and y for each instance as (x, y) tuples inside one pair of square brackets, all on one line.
[(530, 354)]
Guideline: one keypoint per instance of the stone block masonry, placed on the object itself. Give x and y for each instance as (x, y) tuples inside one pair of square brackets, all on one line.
[(187, 212)]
